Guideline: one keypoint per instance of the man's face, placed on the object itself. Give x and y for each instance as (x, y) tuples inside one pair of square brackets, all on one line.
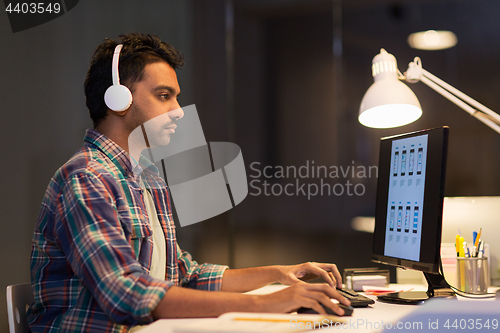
[(155, 104)]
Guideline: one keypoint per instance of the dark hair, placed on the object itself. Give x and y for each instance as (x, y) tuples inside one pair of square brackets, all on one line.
[(138, 51)]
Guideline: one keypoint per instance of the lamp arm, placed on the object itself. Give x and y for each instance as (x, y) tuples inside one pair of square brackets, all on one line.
[(462, 96), (460, 103), (487, 116)]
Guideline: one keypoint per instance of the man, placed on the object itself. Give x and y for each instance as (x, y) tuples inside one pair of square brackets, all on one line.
[(104, 252)]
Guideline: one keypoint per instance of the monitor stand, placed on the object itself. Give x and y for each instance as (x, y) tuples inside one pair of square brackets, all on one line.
[(438, 287)]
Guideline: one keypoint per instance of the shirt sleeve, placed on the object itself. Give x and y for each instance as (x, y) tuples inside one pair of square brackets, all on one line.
[(96, 245), (196, 276)]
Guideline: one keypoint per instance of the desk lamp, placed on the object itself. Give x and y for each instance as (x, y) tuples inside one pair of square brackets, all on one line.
[(390, 103)]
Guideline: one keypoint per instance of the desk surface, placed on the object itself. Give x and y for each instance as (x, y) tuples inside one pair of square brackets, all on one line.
[(374, 318)]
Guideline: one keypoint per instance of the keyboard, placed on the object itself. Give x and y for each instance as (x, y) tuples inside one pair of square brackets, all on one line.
[(357, 300)]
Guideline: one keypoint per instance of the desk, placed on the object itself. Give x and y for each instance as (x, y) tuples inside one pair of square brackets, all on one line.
[(371, 319)]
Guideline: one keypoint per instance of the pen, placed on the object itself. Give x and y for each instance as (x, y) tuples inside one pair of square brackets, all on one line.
[(283, 320), (478, 236)]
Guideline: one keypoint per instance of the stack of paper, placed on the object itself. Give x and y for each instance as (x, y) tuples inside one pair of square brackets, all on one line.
[(357, 282)]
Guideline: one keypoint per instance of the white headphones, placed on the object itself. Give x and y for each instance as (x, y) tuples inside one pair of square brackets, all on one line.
[(117, 97)]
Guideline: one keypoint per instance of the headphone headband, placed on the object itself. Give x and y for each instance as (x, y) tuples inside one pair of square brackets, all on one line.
[(117, 97), (114, 68)]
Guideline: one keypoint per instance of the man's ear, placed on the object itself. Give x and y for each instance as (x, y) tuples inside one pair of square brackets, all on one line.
[(119, 113)]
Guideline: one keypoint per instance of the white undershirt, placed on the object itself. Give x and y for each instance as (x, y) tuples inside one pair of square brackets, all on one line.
[(159, 259)]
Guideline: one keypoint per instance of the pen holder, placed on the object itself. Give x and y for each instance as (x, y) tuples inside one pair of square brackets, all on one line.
[(472, 275)]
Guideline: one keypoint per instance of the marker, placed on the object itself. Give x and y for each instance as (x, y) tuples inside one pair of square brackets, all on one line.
[(466, 250), (461, 247), (462, 267), (480, 252), (457, 244), (474, 238)]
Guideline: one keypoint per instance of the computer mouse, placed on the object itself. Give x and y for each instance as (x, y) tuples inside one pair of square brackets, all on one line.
[(348, 310)]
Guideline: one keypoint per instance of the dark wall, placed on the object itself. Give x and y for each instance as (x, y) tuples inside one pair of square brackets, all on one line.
[(297, 104), (43, 105), (293, 103)]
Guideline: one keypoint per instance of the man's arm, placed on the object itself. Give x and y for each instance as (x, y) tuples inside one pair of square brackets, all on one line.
[(246, 279), (181, 302), (91, 235)]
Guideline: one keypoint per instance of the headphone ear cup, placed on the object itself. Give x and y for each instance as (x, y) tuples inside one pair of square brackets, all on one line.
[(118, 98)]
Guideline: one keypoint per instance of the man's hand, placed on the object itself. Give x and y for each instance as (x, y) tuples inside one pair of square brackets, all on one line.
[(181, 302), (246, 279), (310, 270), (302, 295)]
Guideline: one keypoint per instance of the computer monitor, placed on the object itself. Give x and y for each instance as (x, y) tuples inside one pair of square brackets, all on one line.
[(409, 208)]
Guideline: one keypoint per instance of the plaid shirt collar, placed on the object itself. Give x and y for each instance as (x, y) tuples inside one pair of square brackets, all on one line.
[(123, 161)]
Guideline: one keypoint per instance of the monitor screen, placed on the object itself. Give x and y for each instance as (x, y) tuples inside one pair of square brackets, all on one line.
[(410, 194)]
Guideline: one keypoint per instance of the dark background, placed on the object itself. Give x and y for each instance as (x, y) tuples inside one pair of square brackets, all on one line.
[(280, 90)]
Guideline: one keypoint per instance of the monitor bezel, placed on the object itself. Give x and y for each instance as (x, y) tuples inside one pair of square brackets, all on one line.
[(430, 258)]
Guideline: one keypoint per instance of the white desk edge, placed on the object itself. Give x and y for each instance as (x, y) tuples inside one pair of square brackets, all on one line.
[(371, 319)]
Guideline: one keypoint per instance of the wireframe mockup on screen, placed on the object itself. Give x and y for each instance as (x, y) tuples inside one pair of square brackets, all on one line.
[(409, 209)]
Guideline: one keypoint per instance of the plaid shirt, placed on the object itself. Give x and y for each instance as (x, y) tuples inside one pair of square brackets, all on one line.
[(92, 245)]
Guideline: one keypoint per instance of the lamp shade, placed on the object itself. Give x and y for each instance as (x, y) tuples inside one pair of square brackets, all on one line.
[(388, 102)]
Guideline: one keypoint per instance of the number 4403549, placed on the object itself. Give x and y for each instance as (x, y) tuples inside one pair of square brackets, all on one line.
[(477, 324), (33, 8)]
